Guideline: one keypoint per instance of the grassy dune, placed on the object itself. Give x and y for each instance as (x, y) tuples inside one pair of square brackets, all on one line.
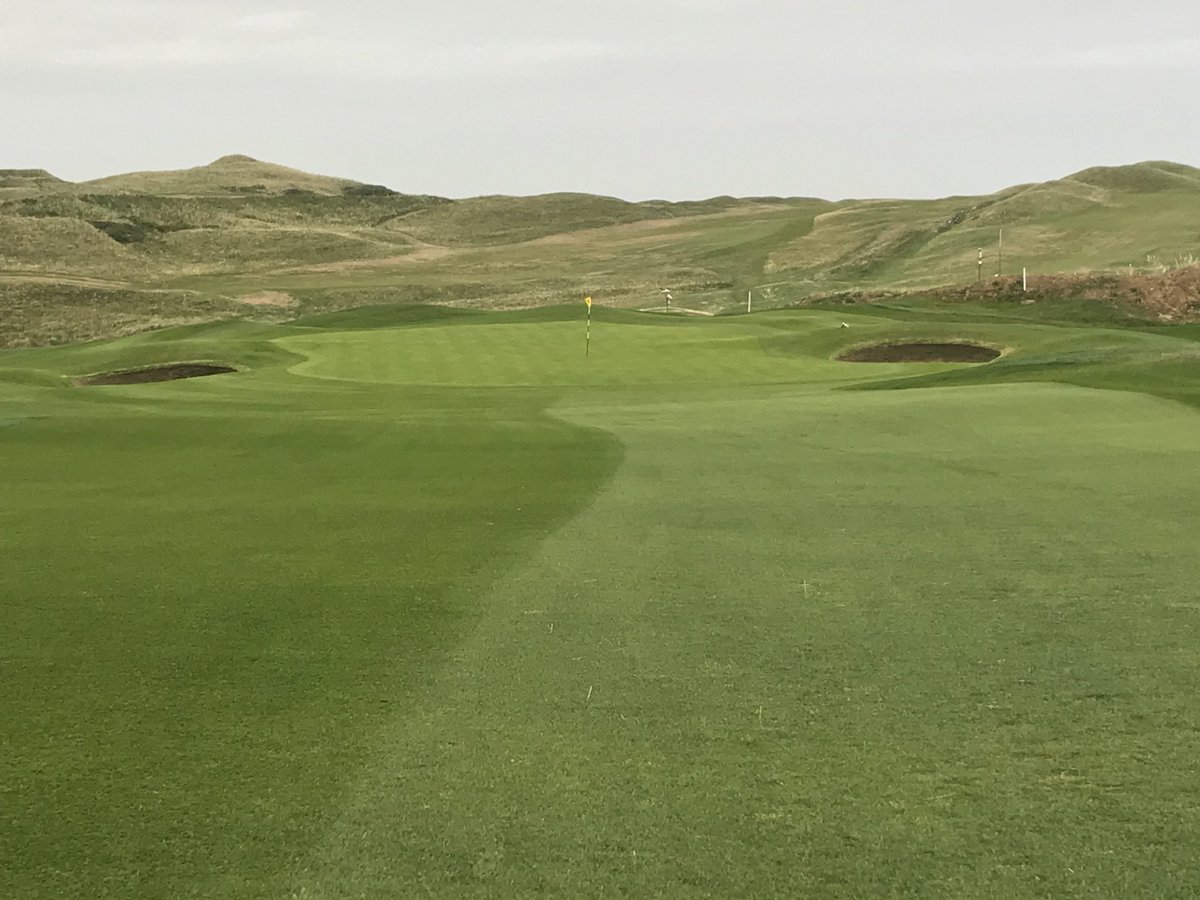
[(233, 174), (424, 602), (239, 226), (1099, 219)]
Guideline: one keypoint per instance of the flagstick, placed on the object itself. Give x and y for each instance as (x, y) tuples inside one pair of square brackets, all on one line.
[(587, 347)]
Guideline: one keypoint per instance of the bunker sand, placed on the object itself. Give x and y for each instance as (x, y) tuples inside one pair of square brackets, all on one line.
[(173, 372), (922, 352)]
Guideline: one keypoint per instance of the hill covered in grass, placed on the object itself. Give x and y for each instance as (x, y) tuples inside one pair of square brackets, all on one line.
[(239, 227), (14, 181), (1140, 217), (229, 174)]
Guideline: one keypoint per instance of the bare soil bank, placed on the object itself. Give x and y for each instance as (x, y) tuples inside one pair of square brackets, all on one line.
[(921, 352), (172, 372)]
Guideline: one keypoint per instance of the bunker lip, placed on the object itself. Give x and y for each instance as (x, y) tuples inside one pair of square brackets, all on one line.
[(150, 374), (921, 352)]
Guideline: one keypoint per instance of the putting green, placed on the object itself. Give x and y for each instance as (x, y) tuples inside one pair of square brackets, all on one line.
[(781, 348)]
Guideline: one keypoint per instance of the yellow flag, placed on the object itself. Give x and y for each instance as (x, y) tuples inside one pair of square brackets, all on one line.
[(588, 301)]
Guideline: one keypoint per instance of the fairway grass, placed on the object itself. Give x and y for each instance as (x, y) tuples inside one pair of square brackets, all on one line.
[(439, 607)]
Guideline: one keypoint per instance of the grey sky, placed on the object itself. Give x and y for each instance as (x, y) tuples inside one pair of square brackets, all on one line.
[(637, 98)]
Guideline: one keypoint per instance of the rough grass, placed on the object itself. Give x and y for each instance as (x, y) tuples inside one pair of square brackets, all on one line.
[(229, 174), (511, 220), (45, 313), (64, 247), (1064, 226), (241, 227), (683, 619)]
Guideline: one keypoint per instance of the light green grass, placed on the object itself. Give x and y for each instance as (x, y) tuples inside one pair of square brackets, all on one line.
[(658, 351), (425, 604)]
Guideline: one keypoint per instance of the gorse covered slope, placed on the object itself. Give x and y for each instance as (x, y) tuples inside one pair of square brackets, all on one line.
[(1141, 216), (188, 245)]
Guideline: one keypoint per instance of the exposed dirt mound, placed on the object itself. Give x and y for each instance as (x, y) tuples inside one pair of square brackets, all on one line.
[(1172, 295), (922, 351), (172, 372), (268, 298)]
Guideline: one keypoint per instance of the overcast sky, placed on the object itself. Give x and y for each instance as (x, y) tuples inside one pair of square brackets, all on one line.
[(636, 98)]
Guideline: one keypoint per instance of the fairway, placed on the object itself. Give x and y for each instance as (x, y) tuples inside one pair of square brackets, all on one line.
[(422, 604)]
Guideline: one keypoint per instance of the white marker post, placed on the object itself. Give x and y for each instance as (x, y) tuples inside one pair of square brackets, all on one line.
[(749, 295), (1024, 280)]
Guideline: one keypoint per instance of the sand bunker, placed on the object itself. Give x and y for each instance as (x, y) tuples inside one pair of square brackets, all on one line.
[(172, 372), (921, 352)]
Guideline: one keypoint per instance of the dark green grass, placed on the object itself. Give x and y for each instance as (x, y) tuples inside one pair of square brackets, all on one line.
[(387, 316), (467, 615), (1171, 375), (1060, 310), (215, 592), (1120, 360)]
